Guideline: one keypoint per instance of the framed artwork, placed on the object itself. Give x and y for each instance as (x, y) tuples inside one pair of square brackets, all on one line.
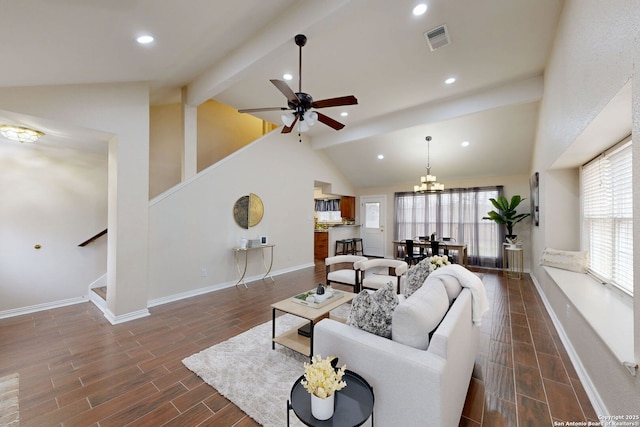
[(534, 183)]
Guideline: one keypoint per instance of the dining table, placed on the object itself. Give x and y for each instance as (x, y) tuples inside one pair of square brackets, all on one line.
[(460, 248)]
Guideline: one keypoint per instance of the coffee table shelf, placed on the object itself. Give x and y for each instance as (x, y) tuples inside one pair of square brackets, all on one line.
[(292, 339)]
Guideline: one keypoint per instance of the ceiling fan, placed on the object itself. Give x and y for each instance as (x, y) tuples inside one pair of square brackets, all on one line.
[(301, 103)]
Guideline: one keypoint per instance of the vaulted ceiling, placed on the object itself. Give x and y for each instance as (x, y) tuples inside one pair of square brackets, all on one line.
[(373, 49)]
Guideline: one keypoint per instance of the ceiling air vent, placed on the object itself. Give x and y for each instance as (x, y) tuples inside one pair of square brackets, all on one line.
[(437, 37)]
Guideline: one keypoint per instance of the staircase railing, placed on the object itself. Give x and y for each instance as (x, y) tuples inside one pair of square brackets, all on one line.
[(91, 239)]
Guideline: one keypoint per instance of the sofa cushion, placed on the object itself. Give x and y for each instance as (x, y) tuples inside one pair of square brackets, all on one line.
[(418, 315), (373, 311), (342, 276), (416, 276), (450, 283)]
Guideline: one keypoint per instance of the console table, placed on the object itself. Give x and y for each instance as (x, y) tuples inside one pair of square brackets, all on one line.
[(242, 271), (353, 404)]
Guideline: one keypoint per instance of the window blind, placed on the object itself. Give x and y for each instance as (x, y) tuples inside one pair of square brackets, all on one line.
[(608, 216)]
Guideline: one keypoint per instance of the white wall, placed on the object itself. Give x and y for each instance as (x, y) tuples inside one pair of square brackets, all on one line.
[(55, 199), (596, 51), (192, 226), (121, 113)]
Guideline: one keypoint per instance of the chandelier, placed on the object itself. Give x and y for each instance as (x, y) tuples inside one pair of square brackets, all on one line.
[(428, 182), (19, 133)]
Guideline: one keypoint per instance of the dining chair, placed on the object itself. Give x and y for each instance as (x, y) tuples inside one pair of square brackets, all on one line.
[(413, 255)]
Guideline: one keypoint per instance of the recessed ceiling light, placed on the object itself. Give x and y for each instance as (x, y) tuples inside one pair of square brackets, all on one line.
[(465, 143), (287, 76), (146, 39), (450, 80), (380, 156), (420, 9), (344, 114)]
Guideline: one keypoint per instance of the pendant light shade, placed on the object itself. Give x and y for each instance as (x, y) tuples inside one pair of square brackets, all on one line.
[(428, 183)]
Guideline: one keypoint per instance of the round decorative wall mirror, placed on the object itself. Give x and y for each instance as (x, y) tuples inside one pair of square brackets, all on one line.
[(248, 211)]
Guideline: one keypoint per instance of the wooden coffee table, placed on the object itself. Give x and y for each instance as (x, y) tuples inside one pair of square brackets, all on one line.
[(292, 339)]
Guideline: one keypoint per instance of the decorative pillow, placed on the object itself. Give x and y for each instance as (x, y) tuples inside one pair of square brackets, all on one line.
[(417, 316), (416, 276), (567, 260), (372, 312)]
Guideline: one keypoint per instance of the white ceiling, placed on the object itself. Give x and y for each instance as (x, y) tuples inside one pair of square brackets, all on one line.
[(373, 49)]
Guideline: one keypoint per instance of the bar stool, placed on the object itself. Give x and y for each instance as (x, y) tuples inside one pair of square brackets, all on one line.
[(348, 247), (357, 246), (341, 251)]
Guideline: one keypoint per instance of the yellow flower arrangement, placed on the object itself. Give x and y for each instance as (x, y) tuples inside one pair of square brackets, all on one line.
[(321, 378)]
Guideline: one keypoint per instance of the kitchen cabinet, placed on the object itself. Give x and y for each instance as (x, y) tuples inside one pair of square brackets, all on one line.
[(321, 244), (348, 207)]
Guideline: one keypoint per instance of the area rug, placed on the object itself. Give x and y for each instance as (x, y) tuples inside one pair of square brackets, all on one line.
[(249, 373), (9, 409)]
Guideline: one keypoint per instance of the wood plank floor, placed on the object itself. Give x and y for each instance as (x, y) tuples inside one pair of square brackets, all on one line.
[(76, 369)]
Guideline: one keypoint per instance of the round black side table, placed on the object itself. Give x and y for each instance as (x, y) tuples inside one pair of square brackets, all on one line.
[(353, 404)]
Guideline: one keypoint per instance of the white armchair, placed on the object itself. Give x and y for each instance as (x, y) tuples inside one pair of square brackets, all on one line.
[(345, 276), (377, 272)]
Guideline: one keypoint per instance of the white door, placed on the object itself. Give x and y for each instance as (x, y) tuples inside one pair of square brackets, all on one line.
[(372, 214)]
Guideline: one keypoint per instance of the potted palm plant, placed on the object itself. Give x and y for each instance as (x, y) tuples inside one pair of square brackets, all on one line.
[(506, 214)]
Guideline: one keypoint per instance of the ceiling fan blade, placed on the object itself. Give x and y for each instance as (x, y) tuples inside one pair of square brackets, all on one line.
[(286, 90), (255, 110), (329, 121), (287, 129), (334, 102)]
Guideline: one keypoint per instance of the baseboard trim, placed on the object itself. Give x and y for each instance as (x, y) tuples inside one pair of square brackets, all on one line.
[(594, 397), (98, 301), (200, 291), (40, 307), (114, 320)]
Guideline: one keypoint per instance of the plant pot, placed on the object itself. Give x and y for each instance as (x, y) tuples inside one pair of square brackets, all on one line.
[(322, 409)]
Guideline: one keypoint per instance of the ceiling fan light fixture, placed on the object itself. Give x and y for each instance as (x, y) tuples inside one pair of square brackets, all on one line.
[(288, 119), (20, 134), (310, 117), (303, 126), (300, 103)]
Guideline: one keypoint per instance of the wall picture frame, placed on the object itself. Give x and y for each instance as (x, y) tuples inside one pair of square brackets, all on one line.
[(534, 188)]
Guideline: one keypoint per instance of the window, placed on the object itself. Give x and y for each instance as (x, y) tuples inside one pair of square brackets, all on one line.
[(607, 210), (455, 213)]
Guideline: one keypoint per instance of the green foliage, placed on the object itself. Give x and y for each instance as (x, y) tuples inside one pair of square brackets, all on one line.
[(506, 212)]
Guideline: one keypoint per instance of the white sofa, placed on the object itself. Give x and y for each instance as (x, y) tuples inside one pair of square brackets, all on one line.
[(412, 387)]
